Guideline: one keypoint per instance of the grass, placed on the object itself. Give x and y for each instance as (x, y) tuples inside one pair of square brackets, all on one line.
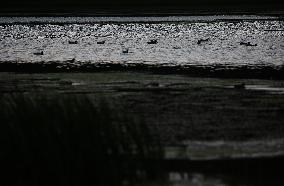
[(69, 140)]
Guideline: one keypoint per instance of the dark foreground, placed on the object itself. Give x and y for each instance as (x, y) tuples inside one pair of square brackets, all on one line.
[(127, 128)]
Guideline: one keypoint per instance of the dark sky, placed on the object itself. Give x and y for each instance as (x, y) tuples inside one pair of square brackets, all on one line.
[(144, 1), (137, 5)]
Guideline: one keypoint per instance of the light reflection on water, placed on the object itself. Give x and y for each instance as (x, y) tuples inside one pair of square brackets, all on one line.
[(185, 179), (177, 42), (125, 19), (190, 179)]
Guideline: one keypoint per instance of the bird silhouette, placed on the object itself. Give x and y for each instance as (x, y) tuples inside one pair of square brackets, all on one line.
[(153, 41)]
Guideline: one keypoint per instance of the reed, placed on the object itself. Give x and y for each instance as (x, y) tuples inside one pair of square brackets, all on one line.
[(71, 140)]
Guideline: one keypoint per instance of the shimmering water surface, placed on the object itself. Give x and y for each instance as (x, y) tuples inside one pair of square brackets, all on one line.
[(180, 40)]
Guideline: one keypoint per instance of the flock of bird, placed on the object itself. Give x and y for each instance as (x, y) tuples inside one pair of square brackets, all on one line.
[(150, 42)]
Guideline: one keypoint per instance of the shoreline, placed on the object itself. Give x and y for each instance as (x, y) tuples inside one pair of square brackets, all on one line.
[(215, 71)]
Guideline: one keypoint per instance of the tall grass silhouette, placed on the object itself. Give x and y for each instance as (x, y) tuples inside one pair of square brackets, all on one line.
[(71, 140)]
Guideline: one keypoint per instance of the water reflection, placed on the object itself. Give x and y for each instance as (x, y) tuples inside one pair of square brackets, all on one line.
[(193, 179), (176, 43), (190, 179)]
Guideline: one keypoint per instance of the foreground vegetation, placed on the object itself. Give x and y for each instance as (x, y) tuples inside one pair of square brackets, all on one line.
[(71, 141), (112, 128)]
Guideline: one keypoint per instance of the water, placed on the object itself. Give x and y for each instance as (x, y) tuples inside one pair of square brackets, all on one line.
[(124, 19), (190, 179), (177, 40)]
